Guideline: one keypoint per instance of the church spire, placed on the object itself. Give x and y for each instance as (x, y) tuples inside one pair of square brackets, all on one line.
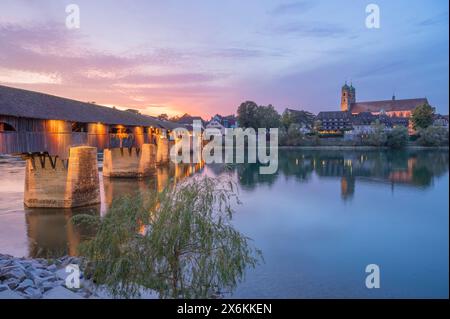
[(348, 97)]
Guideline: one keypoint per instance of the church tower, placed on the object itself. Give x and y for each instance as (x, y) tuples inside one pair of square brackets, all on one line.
[(348, 96)]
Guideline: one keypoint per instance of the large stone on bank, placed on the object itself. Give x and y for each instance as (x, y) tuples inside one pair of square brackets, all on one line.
[(12, 283), (54, 182), (38, 275), (9, 294), (33, 293), (13, 272), (62, 274), (60, 292), (47, 285), (5, 263), (25, 284), (52, 267), (41, 281)]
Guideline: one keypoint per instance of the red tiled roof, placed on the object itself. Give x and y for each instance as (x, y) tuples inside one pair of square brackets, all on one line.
[(387, 106)]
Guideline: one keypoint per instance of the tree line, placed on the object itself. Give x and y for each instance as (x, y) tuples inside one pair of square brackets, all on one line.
[(249, 114), (291, 122)]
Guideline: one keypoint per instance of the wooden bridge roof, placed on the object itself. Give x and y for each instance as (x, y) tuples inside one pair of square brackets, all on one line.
[(29, 104)]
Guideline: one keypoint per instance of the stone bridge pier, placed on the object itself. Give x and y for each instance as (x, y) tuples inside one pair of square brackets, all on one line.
[(135, 162), (54, 182), (62, 183), (132, 162), (162, 151)]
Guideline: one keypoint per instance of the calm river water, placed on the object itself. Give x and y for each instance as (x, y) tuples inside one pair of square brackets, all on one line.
[(319, 221)]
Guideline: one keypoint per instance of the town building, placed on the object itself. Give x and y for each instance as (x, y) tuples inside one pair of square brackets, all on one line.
[(392, 107), (362, 123), (441, 120), (228, 121), (214, 123), (333, 122), (304, 119), (222, 122), (355, 118), (186, 121)]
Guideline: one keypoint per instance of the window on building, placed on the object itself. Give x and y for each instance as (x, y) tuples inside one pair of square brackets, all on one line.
[(5, 127), (79, 127)]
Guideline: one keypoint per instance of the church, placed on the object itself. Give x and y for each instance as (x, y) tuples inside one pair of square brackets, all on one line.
[(392, 108), (356, 114)]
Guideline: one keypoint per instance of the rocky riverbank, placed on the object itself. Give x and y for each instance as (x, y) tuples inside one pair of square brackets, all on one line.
[(23, 278)]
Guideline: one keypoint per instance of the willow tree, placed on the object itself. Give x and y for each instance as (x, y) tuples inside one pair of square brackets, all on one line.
[(179, 242)]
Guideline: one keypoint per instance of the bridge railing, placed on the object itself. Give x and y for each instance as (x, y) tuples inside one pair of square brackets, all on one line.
[(59, 143)]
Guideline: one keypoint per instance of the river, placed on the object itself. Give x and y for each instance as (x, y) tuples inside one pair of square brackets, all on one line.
[(319, 221)]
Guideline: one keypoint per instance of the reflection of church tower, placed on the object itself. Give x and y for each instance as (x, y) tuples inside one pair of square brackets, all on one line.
[(348, 96)]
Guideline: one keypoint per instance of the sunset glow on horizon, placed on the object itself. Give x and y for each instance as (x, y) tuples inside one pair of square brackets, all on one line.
[(206, 57)]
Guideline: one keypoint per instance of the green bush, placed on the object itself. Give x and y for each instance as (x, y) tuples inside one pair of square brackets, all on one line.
[(293, 137), (398, 137), (378, 136), (433, 136)]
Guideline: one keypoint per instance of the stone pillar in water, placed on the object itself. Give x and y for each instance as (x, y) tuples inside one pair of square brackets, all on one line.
[(162, 150), (57, 183), (129, 162)]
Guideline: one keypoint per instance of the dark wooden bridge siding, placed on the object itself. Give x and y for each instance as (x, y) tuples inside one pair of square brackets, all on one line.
[(56, 137)]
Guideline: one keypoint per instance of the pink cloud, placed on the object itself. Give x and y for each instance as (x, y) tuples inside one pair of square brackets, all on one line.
[(48, 51)]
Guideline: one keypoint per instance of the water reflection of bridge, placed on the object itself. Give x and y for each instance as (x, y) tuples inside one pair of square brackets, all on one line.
[(50, 232)]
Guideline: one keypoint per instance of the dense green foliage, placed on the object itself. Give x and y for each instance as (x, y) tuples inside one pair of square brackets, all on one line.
[(249, 114), (179, 242), (422, 116), (297, 117), (378, 136), (246, 114), (433, 136), (294, 137), (398, 137), (267, 117)]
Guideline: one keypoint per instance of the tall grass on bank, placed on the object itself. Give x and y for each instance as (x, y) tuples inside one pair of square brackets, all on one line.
[(179, 242)]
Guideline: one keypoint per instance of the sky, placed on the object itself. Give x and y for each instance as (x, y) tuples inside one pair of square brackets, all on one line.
[(207, 56)]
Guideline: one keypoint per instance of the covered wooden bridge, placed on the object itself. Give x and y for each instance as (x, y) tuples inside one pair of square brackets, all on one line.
[(32, 122), (60, 139)]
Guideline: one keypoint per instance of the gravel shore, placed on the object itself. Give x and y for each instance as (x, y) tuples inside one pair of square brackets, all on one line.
[(24, 278)]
